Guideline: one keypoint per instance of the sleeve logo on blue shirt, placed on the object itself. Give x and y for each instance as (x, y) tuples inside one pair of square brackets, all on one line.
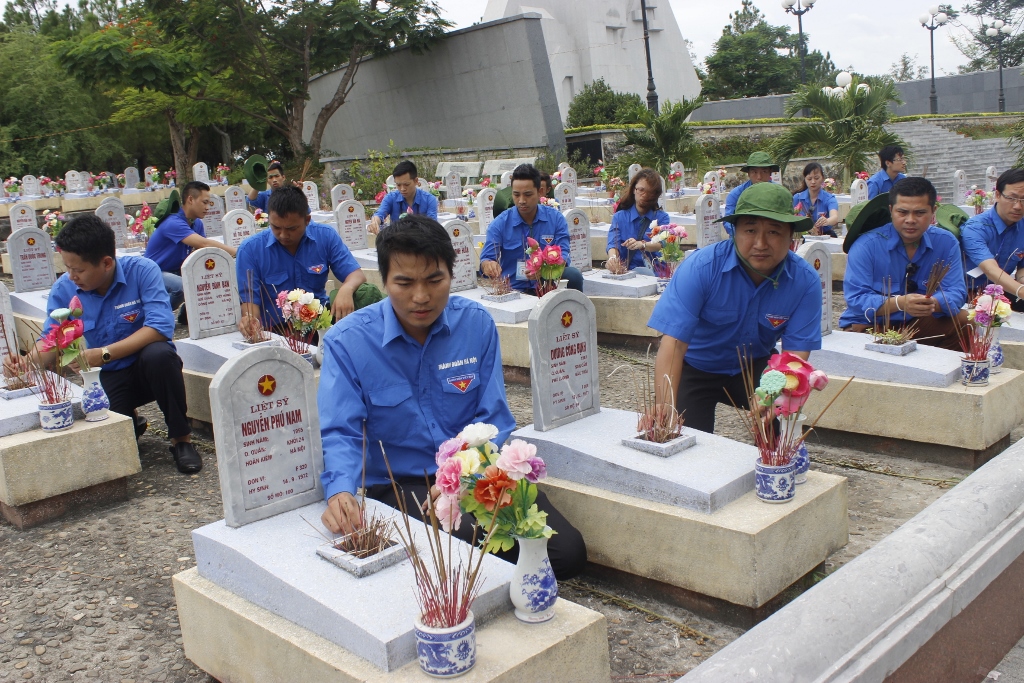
[(462, 382), (130, 316), (317, 269), (776, 320)]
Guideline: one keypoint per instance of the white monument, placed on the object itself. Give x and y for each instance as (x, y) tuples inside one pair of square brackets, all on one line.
[(569, 178), (234, 198), (858, 192), (211, 293), (340, 193), (213, 221), (22, 215), (31, 260), (579, 239), (485, 208), (30, 187), (506, 180), (201, 172), (565, 195), (466, 259), (351, 218), (960, 182), (312, 193), (111, 212), (237, 226), (633, 170), (708, 231), (453, 185), (820, 259)]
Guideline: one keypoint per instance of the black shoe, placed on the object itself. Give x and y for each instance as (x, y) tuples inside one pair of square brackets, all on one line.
[(182, 315), (186, 457), (141, 425)]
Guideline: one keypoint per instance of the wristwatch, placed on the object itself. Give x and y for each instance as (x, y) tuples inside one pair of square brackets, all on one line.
[(105, 355)]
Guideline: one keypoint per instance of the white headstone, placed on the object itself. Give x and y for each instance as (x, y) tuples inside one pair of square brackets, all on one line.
[(506, 180), (341, 193), (579, 239), (234, 198), (422, 184), (820, 259), (351, 218), (485, 208), (112, 213), (213, 221), (201, 172), (708, 232), (131, 177), (776, 177), (563, 359), (466, 260), (267, 432), (565, 195), (390, 183), (72, 181), (569, 178), (562, 166), (23, 216), (858, 192), (676, 167), (238, 225), (30, 186), (960, 180), (9, 340), (633, 170), (147, 176), (454, 185), (31, 260), (211, 293), (992, 177)]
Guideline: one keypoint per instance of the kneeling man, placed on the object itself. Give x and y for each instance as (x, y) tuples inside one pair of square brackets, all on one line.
[(888, 268), (389, 369), (744, 293)]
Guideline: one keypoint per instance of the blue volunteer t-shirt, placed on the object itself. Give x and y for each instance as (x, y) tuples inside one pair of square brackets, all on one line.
[(985, 236), (506, 237), (165, 246)]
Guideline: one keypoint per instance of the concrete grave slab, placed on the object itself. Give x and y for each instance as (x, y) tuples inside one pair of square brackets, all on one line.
[(843, 354), (579, 239), (30, 187), (819, 258), (238, 225), (340, 193), (31, 260), (704, 477), (201, 172), (508, 312), (131, 178), (234, 199), (211, 293), (466, 259), (112, 212), (351, 220), (595, 284), (565, 195), (9, 337), (213, 221), (19, 415), (22, 215), (312, 193)]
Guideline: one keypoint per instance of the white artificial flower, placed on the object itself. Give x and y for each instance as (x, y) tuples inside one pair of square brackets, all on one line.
[(478, 433), (306, 298)]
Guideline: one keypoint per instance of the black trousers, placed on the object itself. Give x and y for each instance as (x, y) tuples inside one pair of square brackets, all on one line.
[(154, 376), (700, 392), (566, 549)]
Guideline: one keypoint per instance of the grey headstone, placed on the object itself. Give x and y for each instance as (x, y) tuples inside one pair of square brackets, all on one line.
[(112, 213), (213, 221), (569, 178), (267, 433), (234, 199), (8, 341), (201, 172), (858, 192), (820, 259), (147, 176), (351, 217), (340, 193), (485, 208), (31, 259), (960, 181), (565, 195), (466, 259), (131, 177), (30, 186), (312, 193), (211, 293), (708, 232), (454, 185), (506, 180), (23, 216), (633, 170), (72, 181), (563, 359), (579, 239), (238, 225)]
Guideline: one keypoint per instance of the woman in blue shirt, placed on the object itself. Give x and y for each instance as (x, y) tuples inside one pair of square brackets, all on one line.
[(817, 204)]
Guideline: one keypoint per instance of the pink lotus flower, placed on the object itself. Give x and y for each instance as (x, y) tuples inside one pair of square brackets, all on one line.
[(449, 514), (797, 372), (818, 380), (76, 306), (553, 256), (449, 477), (787, 404), (448, 449), (532, 243), (515, 459)]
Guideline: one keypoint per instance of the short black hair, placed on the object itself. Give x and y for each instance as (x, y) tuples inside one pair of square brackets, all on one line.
[(913, 186), (526, 172), (888, 153), (286, 200), (405, 167), (545, 178), (1009, 177), (87, 237), (275, 166), (193, 189), (418, 235)]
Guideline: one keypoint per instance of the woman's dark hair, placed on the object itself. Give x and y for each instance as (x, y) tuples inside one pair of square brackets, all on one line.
[(526, 172), (417, 235), (87, 237), (404, 168), (629, 196), (1009, 177), (808, 170), (913, 186), (286, 200)]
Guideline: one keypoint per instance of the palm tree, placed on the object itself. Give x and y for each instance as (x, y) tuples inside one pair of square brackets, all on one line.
[(849, 126), (664, 138)]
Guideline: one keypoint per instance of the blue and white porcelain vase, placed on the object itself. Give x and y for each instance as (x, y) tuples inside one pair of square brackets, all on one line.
[(775, 484), (533, 587), (800, 458), (446, 652), (94, 400), (56, 417), (995, 353), (974, 373)]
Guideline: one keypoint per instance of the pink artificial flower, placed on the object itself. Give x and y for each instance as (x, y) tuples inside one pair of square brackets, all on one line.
[(553, 256), (538, 470), (984, 303), (449, 477), (76, 306), (818, 380), (515, 459), (282, 297), (787, 404), (448, 449), (796, 370), (532, 243), (449, 514)]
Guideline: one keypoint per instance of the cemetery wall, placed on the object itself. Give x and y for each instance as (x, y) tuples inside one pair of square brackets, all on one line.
[(489, 85)]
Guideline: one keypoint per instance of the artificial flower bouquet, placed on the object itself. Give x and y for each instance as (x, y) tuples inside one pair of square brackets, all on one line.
[(988, 310), (669, 237), (498, 488), (121, 180), (12, 185), (222, 171), (67, 336), (676, 179), (261, 219), (544, 266), (830, 185), (469, 194), (170, 176), (547, 201), (486, 182), (302, 315), (154, 176), (977, 197), (144, 222), (53, 223), (862, 175), (708, 188)]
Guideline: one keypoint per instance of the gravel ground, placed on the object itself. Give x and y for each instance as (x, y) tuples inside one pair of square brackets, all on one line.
[(89, 597)]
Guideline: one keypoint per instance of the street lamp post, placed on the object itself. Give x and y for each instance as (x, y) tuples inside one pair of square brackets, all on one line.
[(794, 7), (932, 21), (652, 94), (999, 30)]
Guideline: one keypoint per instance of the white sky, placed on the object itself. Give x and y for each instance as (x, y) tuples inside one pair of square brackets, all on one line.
[(867, 34)]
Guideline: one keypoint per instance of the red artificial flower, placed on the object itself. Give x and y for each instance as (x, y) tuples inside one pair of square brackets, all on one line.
[(797, 372), (493, 490), (307, 314)]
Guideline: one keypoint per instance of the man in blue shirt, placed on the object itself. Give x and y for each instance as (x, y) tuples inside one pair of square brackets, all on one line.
[(888, 268), (128, 329), (631, 224), (294, 254), (178, 234), (406, 198), (413, 371), (994, 240), (894, 165), (275, 178), (743, 293), (759, 169), (504, 253)]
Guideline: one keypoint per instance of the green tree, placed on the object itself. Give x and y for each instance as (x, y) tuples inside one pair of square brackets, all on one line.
[(597, 103), (664, 138), (982, 52), (907, 69), (850, 125)]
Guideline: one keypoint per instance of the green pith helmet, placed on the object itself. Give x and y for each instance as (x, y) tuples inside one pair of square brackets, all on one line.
[(950, 217), (167, 207), (866, 216), (255, 171), (759, 160), (768, 200)]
